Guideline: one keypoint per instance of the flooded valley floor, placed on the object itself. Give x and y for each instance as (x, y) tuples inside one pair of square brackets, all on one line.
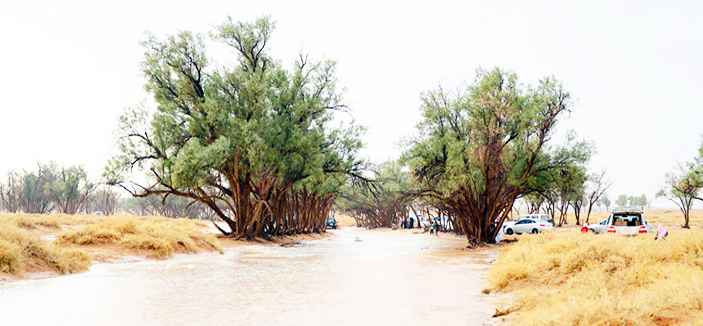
[(354, 277)]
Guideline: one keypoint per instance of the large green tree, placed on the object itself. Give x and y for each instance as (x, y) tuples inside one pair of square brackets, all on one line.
[(479, 149), (252, 141)]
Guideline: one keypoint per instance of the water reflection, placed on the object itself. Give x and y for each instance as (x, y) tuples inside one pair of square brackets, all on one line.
[(386, 278)]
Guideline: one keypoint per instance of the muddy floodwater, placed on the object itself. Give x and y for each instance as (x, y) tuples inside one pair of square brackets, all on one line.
[(354, 277)]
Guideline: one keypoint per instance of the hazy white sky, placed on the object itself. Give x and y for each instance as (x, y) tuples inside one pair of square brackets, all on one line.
[(635, 67)]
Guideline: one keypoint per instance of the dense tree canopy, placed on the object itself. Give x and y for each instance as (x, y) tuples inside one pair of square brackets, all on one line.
[(386, 202), (479, 150), (252, 141)]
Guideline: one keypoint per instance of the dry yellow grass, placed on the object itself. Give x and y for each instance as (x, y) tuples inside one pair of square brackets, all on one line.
[(586, 279), (52, 221), (22, 251), (160, 235), (672, 218), (345, 220)]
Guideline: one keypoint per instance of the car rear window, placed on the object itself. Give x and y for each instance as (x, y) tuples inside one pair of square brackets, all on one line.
[(627, 219)]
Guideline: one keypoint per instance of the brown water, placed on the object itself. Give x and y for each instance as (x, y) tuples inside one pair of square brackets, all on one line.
[(355, 277)]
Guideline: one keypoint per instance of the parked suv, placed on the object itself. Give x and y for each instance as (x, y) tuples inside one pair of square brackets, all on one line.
[(331, 223), (627, 221)]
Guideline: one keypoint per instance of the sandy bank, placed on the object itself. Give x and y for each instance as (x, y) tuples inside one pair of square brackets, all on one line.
[(106, 240)]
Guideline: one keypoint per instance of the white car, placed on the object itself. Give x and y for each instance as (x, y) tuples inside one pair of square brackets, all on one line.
[(543, 217), (528, 225), (600, 227)]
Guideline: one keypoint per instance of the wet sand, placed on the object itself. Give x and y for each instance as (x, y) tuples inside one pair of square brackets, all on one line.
[(353, 277)]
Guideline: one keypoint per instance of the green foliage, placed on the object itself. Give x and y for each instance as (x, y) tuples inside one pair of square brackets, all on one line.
[(481, 149), (605, 201), (69, 189), (383, 204), (682, 188), (46, 189), (34, 197), (622, 200), (563, 184), (242, 138), (640, 200)]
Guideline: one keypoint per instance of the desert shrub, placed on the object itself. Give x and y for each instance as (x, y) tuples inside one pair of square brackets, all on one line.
[(52, 221), (11, 258), (20, 250), (586, 279), (89, 234), (32, 221), (160, 246), (162, 235)]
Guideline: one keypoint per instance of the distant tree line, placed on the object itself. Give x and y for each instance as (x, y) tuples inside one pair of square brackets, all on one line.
[(390, 199), (384, 202), (54, 188), (640, 201), (169, 206)]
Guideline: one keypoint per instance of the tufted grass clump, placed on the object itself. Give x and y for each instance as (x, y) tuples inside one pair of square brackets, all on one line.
[(23, 251), (160, 235), (587, 279)]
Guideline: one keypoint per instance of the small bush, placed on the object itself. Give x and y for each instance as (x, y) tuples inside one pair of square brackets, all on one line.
[(51, 221), (21, 250), (160, 246), (11, 258), (162, 235)]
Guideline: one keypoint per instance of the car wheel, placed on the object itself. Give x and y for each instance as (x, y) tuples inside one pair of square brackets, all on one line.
[(509, 231), (592, 231), (535, 231)]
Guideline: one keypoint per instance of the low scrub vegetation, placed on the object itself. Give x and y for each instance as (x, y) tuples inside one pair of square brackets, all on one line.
[(160, 235), (22, 251), (48, 221), (586, 279)]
